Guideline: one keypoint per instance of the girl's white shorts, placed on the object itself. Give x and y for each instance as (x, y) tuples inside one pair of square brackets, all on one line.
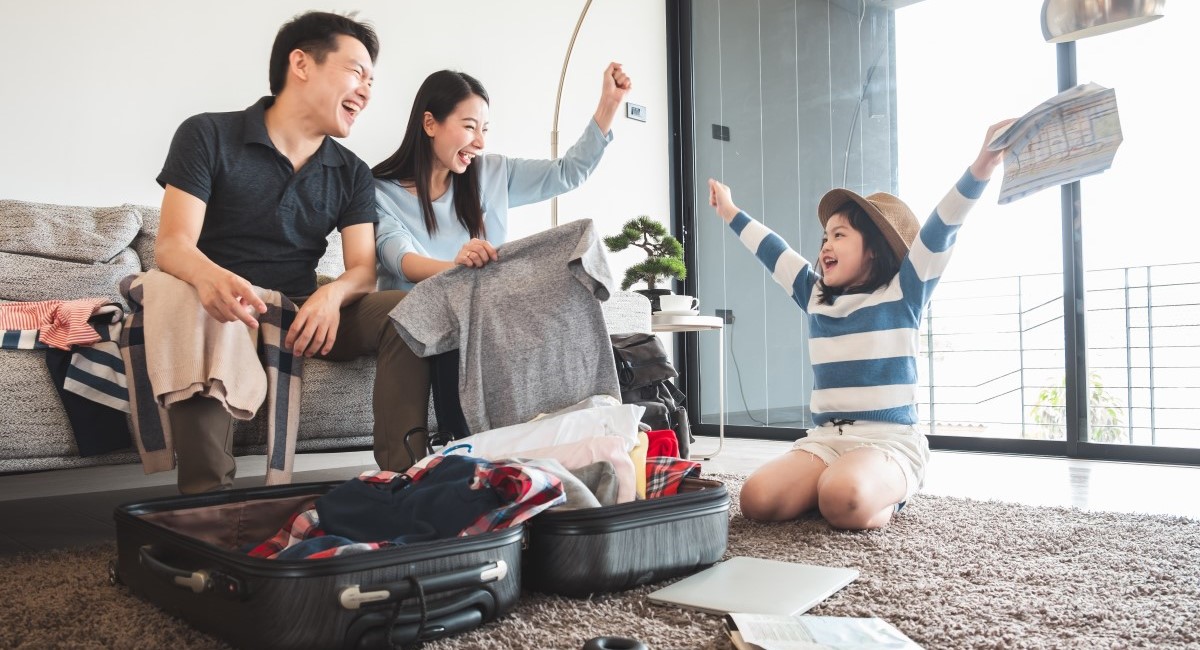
[(902, 443)]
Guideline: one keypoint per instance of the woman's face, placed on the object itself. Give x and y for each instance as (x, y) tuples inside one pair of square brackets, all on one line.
[(460, 137), (845, 260)]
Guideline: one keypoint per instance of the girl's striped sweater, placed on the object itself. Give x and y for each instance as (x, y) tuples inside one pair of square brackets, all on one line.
[(864, 346)]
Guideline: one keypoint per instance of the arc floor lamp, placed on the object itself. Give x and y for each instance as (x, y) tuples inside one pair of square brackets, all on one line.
[(558, 104)]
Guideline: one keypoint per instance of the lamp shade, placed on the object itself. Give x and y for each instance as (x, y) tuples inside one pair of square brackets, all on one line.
[(1069, 20)]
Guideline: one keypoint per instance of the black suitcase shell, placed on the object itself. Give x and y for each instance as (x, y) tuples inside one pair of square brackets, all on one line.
[(596, 550), (181, 554)]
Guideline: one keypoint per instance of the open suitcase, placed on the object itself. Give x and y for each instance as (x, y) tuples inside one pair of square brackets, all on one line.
[(182, 554), (595, 550)]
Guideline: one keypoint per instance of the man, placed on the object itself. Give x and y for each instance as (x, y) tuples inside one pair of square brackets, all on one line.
[(250, 197)]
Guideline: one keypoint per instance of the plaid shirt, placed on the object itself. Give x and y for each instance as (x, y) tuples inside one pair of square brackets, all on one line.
[(302, 525), (664, 474), (526, 490), (284, 372)]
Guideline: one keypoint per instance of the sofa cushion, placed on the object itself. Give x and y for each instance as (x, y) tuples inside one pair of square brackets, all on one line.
[(25, 278), (67, 232), (35, 425), (144, 242)]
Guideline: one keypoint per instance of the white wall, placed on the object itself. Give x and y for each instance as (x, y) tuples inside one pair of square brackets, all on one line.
[(93, 91)]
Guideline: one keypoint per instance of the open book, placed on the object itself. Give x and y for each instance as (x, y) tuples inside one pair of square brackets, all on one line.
[(1071, 135), (781, 632)]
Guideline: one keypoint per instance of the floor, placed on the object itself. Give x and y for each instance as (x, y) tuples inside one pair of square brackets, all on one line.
[(72, 507)]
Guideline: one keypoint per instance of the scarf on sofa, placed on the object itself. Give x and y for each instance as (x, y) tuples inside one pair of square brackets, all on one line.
[(173, 350)]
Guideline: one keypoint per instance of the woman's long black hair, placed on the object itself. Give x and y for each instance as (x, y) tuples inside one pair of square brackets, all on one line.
[(884, 264), (413, 161)]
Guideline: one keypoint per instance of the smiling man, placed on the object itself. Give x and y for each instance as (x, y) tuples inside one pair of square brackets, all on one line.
[(250, 198)]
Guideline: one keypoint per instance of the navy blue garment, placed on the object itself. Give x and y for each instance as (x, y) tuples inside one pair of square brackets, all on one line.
[(442, 501), (443, 376), (98, 429)]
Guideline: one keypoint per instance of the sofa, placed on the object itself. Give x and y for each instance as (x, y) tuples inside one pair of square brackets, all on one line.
[(62, 252)]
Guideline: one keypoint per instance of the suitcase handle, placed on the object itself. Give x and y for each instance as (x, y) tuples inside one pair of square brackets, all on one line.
[(355, 596), (197, 581), (389, 629)]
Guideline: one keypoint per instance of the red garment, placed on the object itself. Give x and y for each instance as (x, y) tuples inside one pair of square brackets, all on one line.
[(60, 323), (662, 443)]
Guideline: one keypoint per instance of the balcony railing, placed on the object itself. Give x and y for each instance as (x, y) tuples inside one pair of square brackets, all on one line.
[(993, 357)]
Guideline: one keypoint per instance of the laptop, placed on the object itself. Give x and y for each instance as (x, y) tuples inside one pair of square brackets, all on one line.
[(750, 584)]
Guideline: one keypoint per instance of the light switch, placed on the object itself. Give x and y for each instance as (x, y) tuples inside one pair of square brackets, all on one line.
[(635, 112)]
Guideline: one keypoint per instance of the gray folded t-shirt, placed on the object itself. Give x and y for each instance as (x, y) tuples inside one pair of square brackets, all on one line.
[(529, 327)]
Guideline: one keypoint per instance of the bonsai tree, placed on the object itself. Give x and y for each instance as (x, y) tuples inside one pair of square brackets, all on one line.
[(664, 253)]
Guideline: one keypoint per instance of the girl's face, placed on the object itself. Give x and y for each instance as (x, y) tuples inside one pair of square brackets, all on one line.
[(845, 261), (460, 137)]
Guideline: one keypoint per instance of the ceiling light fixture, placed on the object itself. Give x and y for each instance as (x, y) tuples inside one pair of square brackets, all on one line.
[(1069, 20)]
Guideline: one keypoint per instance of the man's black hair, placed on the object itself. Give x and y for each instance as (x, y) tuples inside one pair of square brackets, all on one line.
[(316, 33)]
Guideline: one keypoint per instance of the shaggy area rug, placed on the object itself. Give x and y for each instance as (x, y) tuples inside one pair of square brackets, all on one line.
[(948, 572)]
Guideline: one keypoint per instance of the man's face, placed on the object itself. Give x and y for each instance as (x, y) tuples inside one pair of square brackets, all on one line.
[(339, 88)]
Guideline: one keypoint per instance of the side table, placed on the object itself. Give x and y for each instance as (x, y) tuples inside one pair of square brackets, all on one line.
[(660, 322)]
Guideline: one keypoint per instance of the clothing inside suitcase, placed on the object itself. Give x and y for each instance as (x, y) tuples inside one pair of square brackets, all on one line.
[(596, 550), (187, 555)]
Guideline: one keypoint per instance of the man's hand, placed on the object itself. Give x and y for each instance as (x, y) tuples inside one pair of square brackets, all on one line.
[(720, 198), (227, 297), (315, 328)]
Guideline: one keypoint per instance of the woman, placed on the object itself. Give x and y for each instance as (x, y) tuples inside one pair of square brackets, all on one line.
[(443, 203)]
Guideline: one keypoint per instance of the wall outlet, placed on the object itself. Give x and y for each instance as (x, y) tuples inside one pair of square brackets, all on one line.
[(635, 112), (725, 315), (720, 132)]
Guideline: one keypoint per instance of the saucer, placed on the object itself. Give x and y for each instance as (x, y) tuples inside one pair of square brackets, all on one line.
[(685, 312)]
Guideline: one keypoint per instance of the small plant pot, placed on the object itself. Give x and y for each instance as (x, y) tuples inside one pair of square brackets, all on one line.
[(653, 295)]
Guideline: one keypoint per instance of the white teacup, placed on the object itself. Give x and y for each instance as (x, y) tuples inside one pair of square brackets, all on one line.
[(677, 303)]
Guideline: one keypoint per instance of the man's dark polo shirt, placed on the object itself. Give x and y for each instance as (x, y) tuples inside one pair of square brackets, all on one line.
[(264, 221)]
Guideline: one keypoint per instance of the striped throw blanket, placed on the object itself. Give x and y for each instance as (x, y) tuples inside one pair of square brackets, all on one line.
[(173, 350)]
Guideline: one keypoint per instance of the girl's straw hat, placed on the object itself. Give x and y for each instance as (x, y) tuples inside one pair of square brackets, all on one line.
[(898, 223)]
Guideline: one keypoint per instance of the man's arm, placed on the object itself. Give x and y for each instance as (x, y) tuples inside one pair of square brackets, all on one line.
[(315, 328), (225, 295)]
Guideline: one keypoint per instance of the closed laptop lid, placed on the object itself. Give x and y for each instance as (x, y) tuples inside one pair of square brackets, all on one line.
[(756, 585)]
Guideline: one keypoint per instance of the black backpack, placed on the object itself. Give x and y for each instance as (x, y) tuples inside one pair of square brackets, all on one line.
[(646, 375)]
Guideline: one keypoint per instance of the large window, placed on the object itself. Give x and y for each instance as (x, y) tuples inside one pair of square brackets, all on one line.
[(785, 99), (993, 334), (1143, 265)]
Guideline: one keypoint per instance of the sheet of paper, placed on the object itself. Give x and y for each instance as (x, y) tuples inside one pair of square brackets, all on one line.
[(1069, 136), (776, 632)]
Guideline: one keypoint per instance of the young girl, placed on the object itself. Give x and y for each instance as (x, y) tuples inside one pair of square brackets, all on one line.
[(865, 458), (442, 202)]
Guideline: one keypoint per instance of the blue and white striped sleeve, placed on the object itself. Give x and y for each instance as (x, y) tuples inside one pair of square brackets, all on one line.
[(787, 267), (933, 246)]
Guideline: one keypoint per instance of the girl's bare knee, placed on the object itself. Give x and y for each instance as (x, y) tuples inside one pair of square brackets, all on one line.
[(843, 504), (757, 500), (848, 520)]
